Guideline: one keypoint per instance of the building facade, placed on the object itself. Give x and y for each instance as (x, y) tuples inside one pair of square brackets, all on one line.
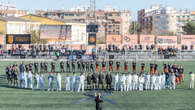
[(11, 10), (110, 20), (160, 20), (61, 31), (15, 25)]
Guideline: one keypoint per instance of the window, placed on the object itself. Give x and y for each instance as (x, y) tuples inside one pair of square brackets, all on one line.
[(118, 32), (110, 14), (117, 27)]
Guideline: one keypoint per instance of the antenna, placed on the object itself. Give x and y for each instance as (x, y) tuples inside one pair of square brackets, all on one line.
[(91, 11)]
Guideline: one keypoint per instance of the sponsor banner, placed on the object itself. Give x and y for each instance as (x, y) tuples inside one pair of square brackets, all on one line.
[(56, 31), (147, 39), (167, 40), (18, 38), (130, 40), (92, 39), (113, 39), (188, 39)]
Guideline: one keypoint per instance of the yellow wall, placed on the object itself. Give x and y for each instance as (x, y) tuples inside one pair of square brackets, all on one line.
[(2, 27), (42, 20)]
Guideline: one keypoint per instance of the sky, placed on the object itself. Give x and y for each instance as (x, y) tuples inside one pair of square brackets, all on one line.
[(132, 5)]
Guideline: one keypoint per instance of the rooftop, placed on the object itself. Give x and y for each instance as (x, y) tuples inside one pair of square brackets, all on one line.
[(11, 18)]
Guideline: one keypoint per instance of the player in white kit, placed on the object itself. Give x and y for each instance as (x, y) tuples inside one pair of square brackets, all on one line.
[(129, 82), (123, 82), (36, 81), (116, 82), (81, 82), (153, 81), (172, 80), (147, 81), (58, 82), (74, 82), (135, 82), (42, 82), (29, 80), (67, 80), (141, 82)]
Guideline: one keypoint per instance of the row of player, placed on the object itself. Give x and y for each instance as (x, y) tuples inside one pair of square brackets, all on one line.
[(123, 82), (89, 66), (12, 70)]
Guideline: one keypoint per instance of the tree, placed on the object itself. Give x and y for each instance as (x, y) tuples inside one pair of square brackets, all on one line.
[(35, 39), (189, 28), (134, 28)]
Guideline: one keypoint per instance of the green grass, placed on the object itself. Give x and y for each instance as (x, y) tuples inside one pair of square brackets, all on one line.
[(18, 99)]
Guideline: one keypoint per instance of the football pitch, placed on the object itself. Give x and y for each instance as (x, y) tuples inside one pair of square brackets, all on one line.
[(22, 99)]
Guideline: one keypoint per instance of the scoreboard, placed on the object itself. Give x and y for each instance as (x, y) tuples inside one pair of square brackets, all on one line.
[(18, 38)]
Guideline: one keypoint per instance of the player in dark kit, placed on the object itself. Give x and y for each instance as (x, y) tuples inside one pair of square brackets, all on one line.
[(27, 67), (142, 67), (73, 66), (92, 66), (79, 65), (94, 80), (111, 66), (151, 68), (126, 66), (103, 65), (62, 66), (36, 67), (46, 66), (155, 68), (52, 66), (182, 73), (15, 75), (97, 66), (134, 67), (41, 67), (8, 74), (87, 66), (83, 66), (30, 66), (22, 67), (169, 68), (165, 68), (100, 80), (108, 80), (118, 65), (89, 81), (67, 66)]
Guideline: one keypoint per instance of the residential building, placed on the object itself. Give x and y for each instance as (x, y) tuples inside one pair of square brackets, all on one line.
[(11, 10), (160, 20), (110, 20)]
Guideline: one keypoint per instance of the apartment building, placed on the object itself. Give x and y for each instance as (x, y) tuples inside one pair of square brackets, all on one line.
[(110, 20), (160, 20), (11, 10)]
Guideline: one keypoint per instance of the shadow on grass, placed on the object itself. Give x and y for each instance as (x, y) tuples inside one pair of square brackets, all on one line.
[(13, 87)]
